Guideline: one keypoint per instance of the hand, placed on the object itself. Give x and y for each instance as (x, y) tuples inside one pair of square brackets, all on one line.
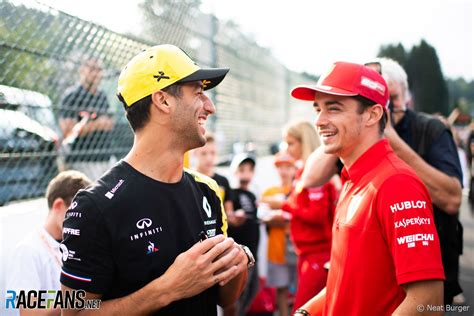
[(273, 203), (205, 264), (277, 218), (390, 132), (240, 261), (104, 123), (237, 218)]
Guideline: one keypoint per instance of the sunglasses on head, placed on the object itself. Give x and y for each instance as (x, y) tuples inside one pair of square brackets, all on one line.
[(375, 66)]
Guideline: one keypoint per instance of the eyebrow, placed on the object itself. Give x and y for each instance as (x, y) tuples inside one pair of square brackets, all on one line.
[(329, 103), (195, 85)]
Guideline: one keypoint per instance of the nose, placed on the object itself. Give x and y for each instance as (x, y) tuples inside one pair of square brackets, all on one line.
[(208, 104), (321, 119)]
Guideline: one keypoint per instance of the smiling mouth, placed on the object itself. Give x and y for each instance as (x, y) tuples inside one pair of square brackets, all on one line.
[(202, 120), (327, 134)]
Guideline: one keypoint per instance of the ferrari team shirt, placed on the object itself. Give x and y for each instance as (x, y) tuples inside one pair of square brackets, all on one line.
[(383, 236)]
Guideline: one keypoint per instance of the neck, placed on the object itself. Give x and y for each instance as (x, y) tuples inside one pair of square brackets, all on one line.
[(52, 228), (350, 155), (89, 88), (287, 182), (206, 172), (160, 159)]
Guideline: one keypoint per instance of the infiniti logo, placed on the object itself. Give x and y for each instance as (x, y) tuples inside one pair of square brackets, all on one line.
[(144, 223)]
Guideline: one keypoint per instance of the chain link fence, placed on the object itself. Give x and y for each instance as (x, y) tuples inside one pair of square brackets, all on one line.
[(58, 74)]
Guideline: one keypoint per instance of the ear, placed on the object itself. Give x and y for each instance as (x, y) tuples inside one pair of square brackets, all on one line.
[(375, 114), (158, 100), (59, 205)]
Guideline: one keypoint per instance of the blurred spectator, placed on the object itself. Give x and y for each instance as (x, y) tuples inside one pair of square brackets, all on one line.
[(470, 148), (85, 123), (457, 140), (245, 227), (36, 260), (206, 161), (281, 255), (312, 212)]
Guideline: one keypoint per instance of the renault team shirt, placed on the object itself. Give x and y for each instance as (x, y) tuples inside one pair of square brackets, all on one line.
[(383, 236), (127, 229)]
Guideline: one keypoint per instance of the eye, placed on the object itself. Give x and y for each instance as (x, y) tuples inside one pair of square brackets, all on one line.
[(334, 108)]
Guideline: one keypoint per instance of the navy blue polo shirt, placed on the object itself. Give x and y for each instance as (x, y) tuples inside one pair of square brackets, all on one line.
[(442, 153)]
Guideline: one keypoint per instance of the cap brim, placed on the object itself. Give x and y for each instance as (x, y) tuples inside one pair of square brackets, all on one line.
[(307, 93), (213, 76)]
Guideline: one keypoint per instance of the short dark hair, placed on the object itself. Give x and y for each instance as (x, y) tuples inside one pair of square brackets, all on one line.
[(138, 114), (65, 186), (248, 161), (210, 137), (365, 103)]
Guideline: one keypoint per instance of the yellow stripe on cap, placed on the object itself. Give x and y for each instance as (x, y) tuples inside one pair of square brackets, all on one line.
[(152, 70)]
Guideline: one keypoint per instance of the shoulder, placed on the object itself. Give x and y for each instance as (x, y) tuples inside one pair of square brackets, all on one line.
[(220, 179), (272, 191), (402, 186), (29, 246), (72, 92), (203, 179), (105, 192), (428, 124)]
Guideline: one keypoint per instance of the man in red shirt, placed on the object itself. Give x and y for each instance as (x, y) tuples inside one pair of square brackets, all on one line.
[(385, 256)]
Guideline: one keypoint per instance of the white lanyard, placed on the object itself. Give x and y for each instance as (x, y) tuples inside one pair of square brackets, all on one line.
[(52, 251)]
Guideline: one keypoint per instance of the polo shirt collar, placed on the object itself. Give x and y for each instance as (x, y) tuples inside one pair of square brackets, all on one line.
[(366, 162), (403, 124)]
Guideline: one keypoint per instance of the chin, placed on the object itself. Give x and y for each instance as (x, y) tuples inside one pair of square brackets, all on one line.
[(329, 149), (198, 142)]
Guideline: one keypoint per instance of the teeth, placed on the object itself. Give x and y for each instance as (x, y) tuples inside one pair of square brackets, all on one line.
[(327, 134), (201, 121)]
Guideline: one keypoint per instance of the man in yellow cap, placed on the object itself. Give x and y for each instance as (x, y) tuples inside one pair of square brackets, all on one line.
[(148, 237)]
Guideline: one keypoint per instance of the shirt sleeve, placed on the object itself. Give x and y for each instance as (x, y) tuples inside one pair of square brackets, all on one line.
[(406, 217), (443, 155), (312, 205), (68, 108), (86, 248), (228, 191)]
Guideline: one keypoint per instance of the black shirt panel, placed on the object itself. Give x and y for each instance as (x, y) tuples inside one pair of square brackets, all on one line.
[(224, 186), (248, 233), (79, 100), (131, 229)]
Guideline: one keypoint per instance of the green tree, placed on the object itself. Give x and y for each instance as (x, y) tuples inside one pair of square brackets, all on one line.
[(461, 95), (428, 86), (395, 52)]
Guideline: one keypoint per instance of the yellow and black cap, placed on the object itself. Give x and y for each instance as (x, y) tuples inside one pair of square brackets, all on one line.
[(159, 67)]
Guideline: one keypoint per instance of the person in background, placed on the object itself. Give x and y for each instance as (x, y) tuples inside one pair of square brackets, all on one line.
[(246, 232), (281, 263), (206, 157), (36, 260), (312, 211), (85, 122)]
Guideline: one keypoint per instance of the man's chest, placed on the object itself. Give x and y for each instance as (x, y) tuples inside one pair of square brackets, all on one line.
[(151, 232)]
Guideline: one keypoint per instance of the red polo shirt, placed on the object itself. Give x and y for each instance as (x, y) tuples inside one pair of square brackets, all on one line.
[(383, 236)]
